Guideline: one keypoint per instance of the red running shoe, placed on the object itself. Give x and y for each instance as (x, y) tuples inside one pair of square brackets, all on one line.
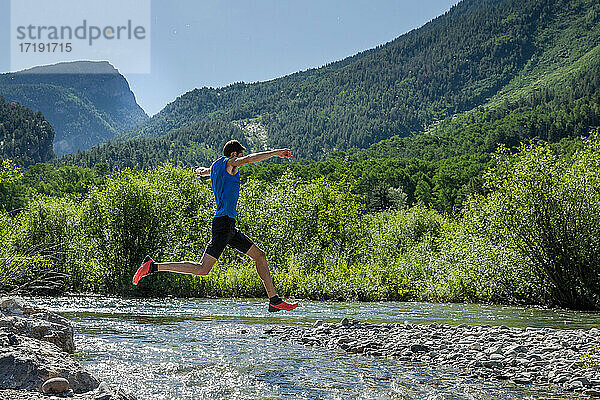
[(148, 267), (277, 304)]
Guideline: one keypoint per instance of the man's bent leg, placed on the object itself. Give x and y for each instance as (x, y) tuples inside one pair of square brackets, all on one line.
[(187, 267), (260, 258), (244, 244)]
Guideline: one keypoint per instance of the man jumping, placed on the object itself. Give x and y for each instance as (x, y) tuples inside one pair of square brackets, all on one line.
[(225, 179)]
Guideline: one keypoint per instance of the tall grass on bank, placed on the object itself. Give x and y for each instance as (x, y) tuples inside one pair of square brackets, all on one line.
[(534, 238)]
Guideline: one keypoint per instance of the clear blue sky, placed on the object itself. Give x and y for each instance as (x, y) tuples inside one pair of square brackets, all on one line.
[(198, 43)]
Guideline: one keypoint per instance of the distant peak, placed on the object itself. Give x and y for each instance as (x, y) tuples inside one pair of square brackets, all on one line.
[(73, 67)]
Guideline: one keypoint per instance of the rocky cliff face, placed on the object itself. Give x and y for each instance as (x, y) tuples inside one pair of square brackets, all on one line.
[(86, 102), (35, 346)]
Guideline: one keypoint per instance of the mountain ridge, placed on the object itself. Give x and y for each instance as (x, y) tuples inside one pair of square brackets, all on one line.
[(452, 65), (86, 102)]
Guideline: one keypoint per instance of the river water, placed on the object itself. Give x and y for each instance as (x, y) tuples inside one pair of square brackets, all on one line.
[(217, 349)]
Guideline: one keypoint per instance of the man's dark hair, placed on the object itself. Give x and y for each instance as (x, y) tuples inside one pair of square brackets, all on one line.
[(233, 146)]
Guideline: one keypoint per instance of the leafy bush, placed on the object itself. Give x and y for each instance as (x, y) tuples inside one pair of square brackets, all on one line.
[(547, 207), (469, 267), (163, 212), (29, 251)]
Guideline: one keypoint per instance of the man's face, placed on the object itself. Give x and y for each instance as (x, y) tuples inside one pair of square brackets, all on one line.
[(238, 154)]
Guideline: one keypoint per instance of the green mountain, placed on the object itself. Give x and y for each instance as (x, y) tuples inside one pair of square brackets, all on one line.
[(485, 72), (25, 136), (86, 102)]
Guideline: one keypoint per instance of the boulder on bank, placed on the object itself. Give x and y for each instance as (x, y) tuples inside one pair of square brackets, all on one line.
[(28, 363), (36, 323), (35, 346)]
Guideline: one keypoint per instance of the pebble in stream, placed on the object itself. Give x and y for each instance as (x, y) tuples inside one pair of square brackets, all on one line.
[(521, 355)]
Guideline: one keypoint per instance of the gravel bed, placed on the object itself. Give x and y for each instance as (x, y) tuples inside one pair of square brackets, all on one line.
[(521, 355)]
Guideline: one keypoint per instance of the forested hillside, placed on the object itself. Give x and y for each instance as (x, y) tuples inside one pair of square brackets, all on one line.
[(486, 72), (25, 136), (86, 102), (565, 104), (192, 144), (412, 183)]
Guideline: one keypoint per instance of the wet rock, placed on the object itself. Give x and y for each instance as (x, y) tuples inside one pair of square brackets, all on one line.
[(416, 348), (20, 319), (318, 323), (34, 356), (345, 322), (55, 385)]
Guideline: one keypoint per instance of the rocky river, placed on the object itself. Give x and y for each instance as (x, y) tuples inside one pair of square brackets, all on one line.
[(521, 355), (162, 349)]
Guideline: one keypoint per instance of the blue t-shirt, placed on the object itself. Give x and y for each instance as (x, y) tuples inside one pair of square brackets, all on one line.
[(226, 188)]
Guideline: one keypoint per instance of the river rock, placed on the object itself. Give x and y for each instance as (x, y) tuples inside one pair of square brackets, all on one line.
[(34, 356), (30, 363), (561, 379), (524, 380), (55, 385), (416, 348), (572, 386), (106, 392), (535, 357), (103, 392), (20, 319), (116, 394), (584, 381)]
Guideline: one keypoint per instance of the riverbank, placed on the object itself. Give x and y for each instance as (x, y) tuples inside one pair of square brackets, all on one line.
[(320, 241), (37, 345), (520, 355)]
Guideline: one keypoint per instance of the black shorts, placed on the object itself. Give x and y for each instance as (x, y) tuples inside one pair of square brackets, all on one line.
[(225, 233)]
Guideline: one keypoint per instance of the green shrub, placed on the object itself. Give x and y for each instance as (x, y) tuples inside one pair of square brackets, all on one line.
[(33, 245), (547, 207), (163, 213)]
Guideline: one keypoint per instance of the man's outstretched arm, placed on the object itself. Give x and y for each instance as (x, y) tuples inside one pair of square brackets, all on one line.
[(202, 171), (256, 157)]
